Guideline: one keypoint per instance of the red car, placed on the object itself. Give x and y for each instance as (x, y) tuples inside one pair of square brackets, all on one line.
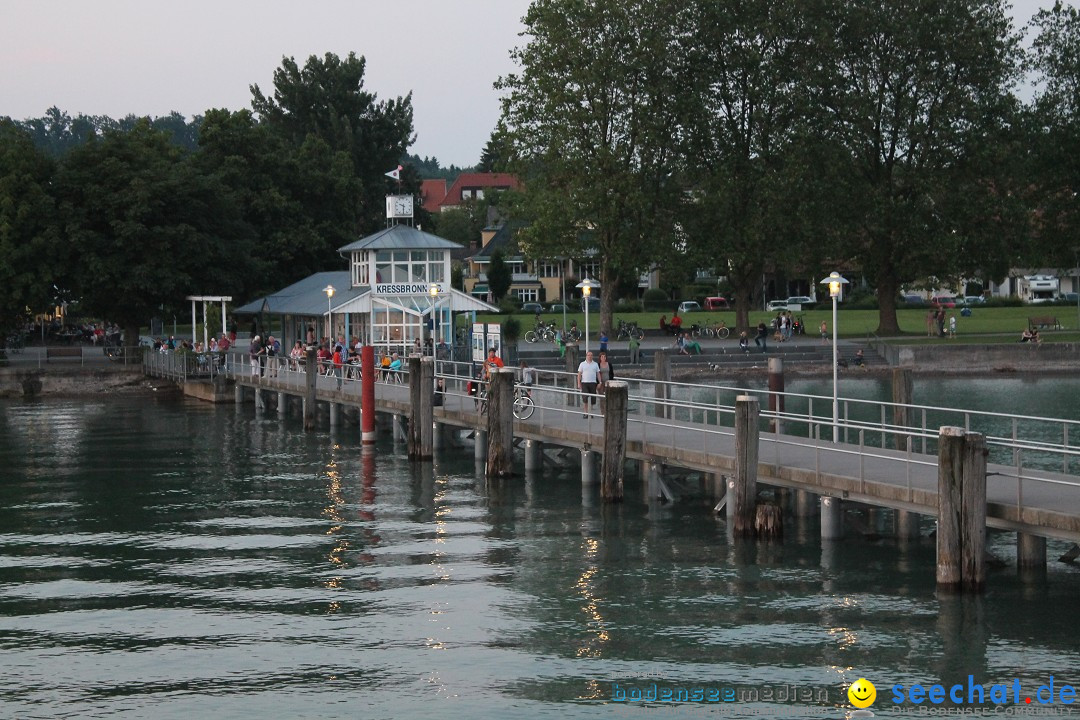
[(947, 302)]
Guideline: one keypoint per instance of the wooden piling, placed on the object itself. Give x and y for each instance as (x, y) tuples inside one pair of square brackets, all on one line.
[(611, 473), (662, 376), (903, 390), (421, 411), (961, 535), (744, 491), (500, 415), (311, 373), (769, 522)]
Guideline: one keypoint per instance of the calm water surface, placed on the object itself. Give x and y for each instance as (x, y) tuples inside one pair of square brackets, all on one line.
[(163, 558)]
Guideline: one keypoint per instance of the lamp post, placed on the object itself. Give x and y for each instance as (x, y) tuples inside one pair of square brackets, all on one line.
[(587, 286), (433, 292), (329, 290), (836, 289)]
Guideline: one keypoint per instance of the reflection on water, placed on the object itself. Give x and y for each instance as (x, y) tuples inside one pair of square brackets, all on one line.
[(170, 559)]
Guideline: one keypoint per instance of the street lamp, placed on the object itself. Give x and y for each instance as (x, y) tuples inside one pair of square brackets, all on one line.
[(587, 286), (433, 291), (329, 290), (836, 285)]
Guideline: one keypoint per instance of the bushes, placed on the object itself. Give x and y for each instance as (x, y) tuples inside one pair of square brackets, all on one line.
[(629, 306), (511, 329), (655, 299)]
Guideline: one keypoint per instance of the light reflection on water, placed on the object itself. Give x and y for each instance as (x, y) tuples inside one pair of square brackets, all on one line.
[(170, 559)]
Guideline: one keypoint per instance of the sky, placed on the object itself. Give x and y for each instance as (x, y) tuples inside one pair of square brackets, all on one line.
[(148, 57)]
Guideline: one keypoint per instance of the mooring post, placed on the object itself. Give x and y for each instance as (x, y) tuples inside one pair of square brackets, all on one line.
[(534, 455), (312, 372), (776, 392), (335, 414), (500, 425), (662, 376), (367, 395), (238, 394), (480, 445), (617, 393), (744, 486), (903, 390), (421, 410), (653, 470), (259, 404), (806, 503), (961, 534), (282, 405)]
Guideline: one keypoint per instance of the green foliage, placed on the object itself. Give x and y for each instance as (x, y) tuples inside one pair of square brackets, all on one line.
[(629, 306), (498, 276), (28, 227), (457, 276), (511, 329), (429, 168), (656, 299), (56, 133)]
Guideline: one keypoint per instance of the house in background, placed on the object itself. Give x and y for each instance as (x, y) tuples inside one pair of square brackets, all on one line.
[(432, 193), (472, 186)]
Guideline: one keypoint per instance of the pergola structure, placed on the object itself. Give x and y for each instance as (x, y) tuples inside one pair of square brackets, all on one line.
[(205, 300)]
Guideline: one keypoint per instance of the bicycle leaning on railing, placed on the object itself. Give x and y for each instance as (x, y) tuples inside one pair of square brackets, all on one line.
[(524, 405)]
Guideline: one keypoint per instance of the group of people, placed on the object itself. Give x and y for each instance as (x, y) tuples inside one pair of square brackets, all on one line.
[(936, 319), (783, 326), (592, 376)]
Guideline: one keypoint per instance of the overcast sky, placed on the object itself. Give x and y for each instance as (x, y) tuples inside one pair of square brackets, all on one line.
[(148, 57)]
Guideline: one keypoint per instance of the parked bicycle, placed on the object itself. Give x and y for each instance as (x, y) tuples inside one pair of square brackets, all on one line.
[(628, 330), (524, 405), (542, 331), (15, 343)]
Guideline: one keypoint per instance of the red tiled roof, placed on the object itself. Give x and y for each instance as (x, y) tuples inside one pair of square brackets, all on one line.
[(474, 181), (432, 193)]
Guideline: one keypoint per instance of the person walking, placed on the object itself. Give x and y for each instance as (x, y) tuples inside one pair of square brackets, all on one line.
[(824, 333), (607, 373), (635, 349), (588, 375), (762, 339)]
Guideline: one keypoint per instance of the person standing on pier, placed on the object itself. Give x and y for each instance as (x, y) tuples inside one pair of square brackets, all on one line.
[(762, 339), (635, 349), (588, 375)]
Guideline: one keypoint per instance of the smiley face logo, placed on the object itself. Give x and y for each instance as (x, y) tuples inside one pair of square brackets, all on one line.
[(862, 693)]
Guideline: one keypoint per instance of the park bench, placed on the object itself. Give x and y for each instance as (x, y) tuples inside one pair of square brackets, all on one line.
[(1043, 322), (63, 352)]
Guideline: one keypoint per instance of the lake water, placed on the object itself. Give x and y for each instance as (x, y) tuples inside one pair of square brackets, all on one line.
[(165, 558)]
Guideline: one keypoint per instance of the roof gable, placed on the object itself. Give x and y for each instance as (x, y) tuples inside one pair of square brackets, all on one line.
[(400, 237), (477, 181)]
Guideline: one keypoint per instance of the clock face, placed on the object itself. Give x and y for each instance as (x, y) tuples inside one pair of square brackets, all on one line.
[(403, 206)]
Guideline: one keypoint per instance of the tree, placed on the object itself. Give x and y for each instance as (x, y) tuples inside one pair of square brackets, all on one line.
[(323, 111), (747, 67), (589, 122), (914, 85), (28, 231), (1054, 138), (143, 227), (496, 154), (498, 275)]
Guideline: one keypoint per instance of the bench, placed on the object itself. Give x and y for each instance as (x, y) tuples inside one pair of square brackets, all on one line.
[(1043, 322), (63, 352)]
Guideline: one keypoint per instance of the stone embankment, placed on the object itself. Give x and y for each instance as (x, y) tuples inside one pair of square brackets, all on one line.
[(75, 381)]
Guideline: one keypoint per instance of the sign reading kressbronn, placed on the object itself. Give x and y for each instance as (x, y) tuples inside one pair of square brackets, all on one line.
[(401, 288)]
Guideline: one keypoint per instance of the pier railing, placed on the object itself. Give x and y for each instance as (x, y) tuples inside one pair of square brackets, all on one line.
[(1030, 454)]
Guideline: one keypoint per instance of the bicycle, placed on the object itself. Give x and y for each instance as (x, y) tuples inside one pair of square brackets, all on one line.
[(629, 330), (524, 405), (720, 330), (14, 343), (573, 334), (541, 332)]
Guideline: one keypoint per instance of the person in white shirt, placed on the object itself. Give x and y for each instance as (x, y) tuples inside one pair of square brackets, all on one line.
[(588, 375)]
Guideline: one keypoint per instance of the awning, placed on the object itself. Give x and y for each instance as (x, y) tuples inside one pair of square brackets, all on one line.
[(479, 290)]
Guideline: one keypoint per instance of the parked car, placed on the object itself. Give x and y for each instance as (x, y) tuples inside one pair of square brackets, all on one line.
[(942, 301), (532, 308), (717, 303), (594, 304), (974, 300), (804, 302), (689, 306), (776, 305), (558, 307), (1070, 298), (912, 300)]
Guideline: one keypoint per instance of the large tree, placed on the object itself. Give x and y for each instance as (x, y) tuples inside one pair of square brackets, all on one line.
[(27, 227), (914, 83), (590, 121), (143, 227), (747, 68), (323, 111)]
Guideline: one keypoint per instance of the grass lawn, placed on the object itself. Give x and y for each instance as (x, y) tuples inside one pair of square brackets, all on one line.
[(990, 324)]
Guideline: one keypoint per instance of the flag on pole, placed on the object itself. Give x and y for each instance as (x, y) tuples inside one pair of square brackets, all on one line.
[(395, 173)]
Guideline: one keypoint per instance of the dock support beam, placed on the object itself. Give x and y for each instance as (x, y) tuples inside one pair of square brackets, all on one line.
[(832, 518), (743, 500), (961, 536), (238, 394), (534, 456), (806, 503), (500, 417), (335, 414), (311, 373), (397, 424), (282, 405), (907, 525), (480, 445), (1030, 553), (903, 390), (616, 394), (588, 468), (776, 393), (662, 376)]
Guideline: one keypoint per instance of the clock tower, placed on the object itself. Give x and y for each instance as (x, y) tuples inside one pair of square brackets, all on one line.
[(399, 208)]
